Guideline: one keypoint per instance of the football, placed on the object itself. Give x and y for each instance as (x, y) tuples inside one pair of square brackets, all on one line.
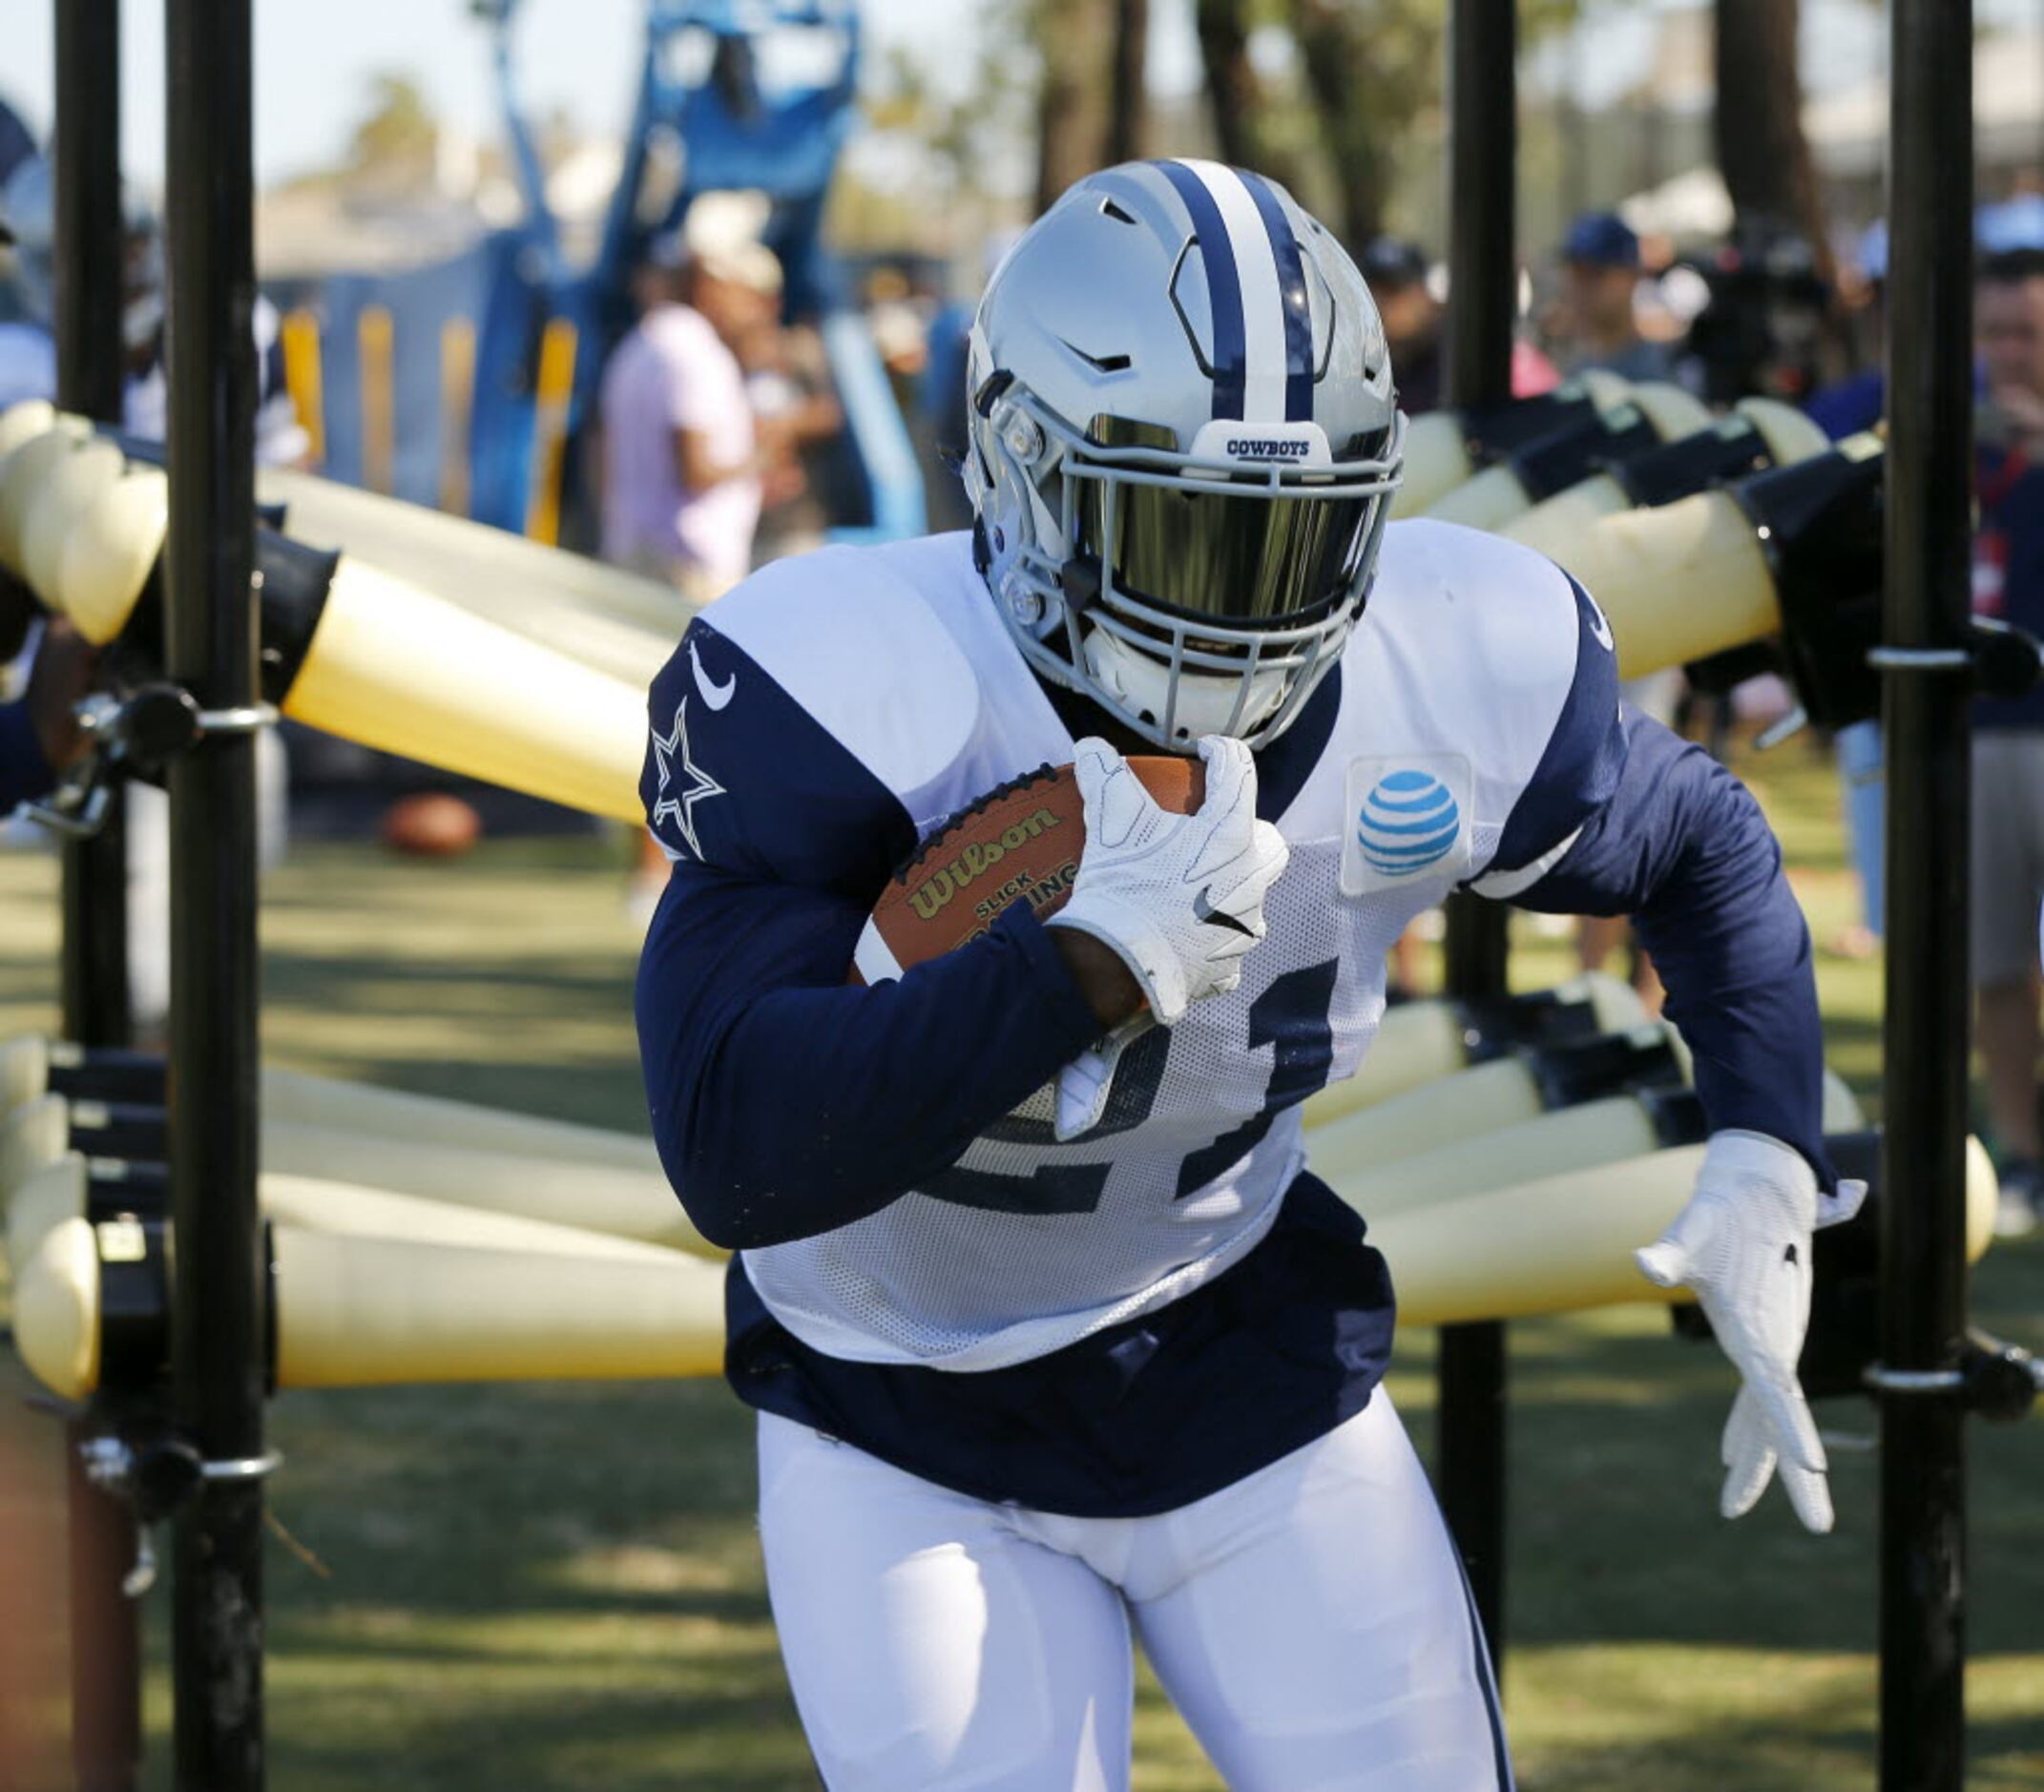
[(432, 825), (1019, 842)]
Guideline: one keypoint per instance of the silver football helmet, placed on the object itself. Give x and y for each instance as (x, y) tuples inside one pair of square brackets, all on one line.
[(1184, 442)]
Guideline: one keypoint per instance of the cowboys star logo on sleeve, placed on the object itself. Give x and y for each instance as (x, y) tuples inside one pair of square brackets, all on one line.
[(669, 752)]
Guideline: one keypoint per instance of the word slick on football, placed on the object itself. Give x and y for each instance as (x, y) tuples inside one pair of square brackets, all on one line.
[(1018, 844)]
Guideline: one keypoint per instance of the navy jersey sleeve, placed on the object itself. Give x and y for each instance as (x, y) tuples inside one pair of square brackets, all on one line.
[(24, 772), (786, 1103), (1680, 846)]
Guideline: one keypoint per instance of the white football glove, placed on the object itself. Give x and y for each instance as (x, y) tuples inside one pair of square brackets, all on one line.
[(1178, 898), (1743, 1244), (1084, 1084)]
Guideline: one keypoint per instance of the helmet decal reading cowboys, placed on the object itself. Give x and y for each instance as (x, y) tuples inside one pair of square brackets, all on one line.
[(1184, 447)]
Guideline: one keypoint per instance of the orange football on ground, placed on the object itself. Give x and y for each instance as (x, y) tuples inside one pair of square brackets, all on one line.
[(432, 825), (1019, 842)]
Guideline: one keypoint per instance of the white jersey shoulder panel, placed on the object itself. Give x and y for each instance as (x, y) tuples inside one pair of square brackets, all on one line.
[(896, 650), (1468, 647)]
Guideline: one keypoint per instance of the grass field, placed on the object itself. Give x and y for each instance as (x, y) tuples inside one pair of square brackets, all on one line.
[(557, 1586)]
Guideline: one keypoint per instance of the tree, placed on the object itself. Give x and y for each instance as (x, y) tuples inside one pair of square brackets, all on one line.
[(398, 134), (1129, 100), (1366, 98), (1233, 92), (1072, 104), (1762, 149), (1371, 73)]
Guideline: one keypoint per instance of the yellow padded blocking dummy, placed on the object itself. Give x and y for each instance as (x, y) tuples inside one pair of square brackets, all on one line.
[(1544, 1145), (74, 481), (357, 1312), (330, 1105), (398, 1115), (501, 574), (1496, 498), (361, 1311), (1437, 448), (1685, 580), (625, 1203), (393, 667), (390, 665), (24, 472), (1551, 528), (1561, 1243), (1418, 1042), (36, 1134)]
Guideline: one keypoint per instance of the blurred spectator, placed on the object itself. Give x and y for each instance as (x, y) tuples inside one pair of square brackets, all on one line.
[(1598, 328), (1532, 372), (30, 352), (901, 324), (2008, 855), (1841, 409), (796, 410), (39, 735), (938, 420), (1409, 295), (679, 453), (1396, 273), (1857, 402), (1595, 325)]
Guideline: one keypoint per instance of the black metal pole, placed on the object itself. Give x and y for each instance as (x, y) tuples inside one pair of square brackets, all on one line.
[(106, 1695), (1928, 745), (217, 1367), (1482, 304)]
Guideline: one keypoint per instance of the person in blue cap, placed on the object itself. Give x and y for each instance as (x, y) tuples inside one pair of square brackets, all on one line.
[(1600, 265)]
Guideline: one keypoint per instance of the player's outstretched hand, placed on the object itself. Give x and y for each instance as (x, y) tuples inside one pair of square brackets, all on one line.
[(1743, 1244), (1178, 898)]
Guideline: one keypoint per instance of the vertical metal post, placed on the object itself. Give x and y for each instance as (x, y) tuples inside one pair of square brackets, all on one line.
[(218, 1357), (1928, 745), (89, 250), (1483, 301)]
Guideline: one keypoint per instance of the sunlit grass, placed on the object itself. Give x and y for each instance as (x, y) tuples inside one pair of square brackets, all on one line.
[(558, 1586)]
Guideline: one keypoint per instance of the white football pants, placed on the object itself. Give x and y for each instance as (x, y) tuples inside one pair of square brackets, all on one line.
[(1311, 1622)]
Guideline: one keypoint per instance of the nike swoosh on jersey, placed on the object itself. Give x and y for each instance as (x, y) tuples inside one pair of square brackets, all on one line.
[(1600, 628), (1204, 910), (716, 696)]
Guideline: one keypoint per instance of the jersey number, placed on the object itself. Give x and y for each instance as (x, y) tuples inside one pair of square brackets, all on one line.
[(1294, 1016)]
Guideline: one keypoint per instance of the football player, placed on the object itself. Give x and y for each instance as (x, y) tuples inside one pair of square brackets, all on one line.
[(1050, 1328)]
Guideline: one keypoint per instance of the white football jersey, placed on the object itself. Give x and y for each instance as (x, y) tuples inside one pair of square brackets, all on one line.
[(1407, 777)]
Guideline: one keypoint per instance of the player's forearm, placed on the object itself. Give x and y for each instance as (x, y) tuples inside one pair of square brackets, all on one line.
[(1743, 991), (784, 1105), (1684, 850)]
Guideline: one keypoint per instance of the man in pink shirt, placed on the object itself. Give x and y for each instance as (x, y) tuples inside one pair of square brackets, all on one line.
[(679, 454)]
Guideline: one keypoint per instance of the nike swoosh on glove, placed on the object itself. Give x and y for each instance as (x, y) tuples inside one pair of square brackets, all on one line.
[(1178, 898), (1743, 1244)]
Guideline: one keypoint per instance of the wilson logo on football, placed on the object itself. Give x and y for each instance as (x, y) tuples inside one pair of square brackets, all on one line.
[(1408, 821), (929, 897)]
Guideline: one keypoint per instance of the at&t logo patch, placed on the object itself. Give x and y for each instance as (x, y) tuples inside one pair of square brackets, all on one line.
[(1409, 820), (1409, 823)]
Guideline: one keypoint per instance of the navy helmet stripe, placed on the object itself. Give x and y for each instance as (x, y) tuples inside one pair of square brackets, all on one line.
[(1292, 293), (1223, 289)]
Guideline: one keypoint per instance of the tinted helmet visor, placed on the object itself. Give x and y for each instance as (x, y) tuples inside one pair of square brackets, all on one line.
[(1248, 559)]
